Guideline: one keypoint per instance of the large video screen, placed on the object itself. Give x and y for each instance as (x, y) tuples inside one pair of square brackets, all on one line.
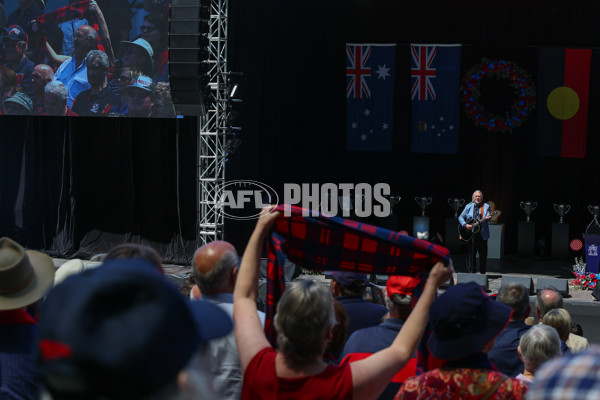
[(85, 58)]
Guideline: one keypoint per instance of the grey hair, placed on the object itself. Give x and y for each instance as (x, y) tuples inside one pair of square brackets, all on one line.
[(304, 314), (516, 296), (477, 191), (545, 306), (56, 88), (97, 55), (560, 319), (215, 280), (539, 344), (399, 305)]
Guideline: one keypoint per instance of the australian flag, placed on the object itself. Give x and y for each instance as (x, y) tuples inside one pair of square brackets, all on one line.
[(370, 96), (435, 76)]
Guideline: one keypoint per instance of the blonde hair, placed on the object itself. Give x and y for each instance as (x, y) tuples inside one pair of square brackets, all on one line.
[(559, 319), (304, 314)]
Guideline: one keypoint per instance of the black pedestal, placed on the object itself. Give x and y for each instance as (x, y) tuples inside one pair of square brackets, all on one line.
[(526, 238), (560, 240), (451, 240)]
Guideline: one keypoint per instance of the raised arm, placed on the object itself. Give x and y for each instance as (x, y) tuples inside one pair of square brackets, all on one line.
[(371, 375), (249, 333), (54, 59), (103, 31)]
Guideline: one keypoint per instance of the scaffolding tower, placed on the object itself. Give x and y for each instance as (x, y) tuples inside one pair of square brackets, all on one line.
[(212, 128)]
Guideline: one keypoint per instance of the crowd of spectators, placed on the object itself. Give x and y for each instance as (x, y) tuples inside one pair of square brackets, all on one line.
[(98, 50), (117, 328)]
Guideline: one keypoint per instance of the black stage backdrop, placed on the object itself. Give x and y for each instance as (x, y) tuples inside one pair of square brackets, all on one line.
[(77, 187)]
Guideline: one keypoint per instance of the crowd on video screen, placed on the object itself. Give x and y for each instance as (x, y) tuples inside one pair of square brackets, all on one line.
[(85, 58)]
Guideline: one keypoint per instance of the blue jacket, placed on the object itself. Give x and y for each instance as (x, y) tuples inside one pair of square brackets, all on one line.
[(371, 340), (467, 215), (504, 354), (361, 313)]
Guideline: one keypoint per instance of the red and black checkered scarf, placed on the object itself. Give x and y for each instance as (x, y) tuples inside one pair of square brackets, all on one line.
[(322, 243), (68, 13)]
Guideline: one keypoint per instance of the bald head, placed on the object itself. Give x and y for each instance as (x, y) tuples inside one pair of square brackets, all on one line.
[(41, 75), (214, 267), (84, 41), (548, 299)]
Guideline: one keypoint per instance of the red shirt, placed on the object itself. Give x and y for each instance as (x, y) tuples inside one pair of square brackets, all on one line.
[(261, 381)]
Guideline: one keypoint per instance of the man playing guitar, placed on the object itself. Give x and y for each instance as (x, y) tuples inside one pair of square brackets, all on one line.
[(475, 215)]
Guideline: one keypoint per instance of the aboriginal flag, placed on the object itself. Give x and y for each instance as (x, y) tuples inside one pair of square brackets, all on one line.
[(563, 91)]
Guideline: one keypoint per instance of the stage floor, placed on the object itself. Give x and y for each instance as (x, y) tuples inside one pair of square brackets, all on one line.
[(517, 265)]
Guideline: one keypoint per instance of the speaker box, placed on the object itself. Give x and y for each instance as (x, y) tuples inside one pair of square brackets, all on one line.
[(480, 279), (526, 281), (561, 284), (188, 55), (596, 292)]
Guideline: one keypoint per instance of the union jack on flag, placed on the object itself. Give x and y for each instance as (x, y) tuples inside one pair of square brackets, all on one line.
[(358, 71), (422, 71), (435, 103), (370, 96)]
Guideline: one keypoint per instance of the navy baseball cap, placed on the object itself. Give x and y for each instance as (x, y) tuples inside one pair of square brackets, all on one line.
[(351, 279), (121, 330), (16, 33)]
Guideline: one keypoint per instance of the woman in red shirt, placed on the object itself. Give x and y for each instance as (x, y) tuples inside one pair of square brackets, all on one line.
[(304, 321)]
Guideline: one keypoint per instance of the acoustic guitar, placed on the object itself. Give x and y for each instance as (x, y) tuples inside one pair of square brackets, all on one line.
[(465, 235)]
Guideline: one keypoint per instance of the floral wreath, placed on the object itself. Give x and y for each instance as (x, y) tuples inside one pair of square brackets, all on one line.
[(524, 92)]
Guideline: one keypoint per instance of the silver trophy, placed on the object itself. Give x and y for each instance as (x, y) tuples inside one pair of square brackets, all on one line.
[(562, 210), (394, 200), (595, 211), (456, 204), (528, 207), (423, 202)]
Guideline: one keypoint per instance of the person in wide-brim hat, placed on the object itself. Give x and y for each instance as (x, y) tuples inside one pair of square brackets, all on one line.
[(465, 320), (25, 276), (464, 324), (131, 52)]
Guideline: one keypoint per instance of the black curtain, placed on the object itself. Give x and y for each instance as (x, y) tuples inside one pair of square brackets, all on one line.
[(76, 187)]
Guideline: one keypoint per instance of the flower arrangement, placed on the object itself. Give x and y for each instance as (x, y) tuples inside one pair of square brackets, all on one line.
[(583, 280), (519, 80)]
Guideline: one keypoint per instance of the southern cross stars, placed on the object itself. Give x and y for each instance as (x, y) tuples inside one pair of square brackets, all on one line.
[(382, 72)]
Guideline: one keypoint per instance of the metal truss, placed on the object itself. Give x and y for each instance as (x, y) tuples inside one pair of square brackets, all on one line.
[(212, 128)]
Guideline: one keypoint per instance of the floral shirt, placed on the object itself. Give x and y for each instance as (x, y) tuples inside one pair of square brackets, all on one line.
[(460, 383)]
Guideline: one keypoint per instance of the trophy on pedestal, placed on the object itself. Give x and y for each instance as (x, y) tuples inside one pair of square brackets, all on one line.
[(562, 210), (528, 207), (423, 202), (456, 204)]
